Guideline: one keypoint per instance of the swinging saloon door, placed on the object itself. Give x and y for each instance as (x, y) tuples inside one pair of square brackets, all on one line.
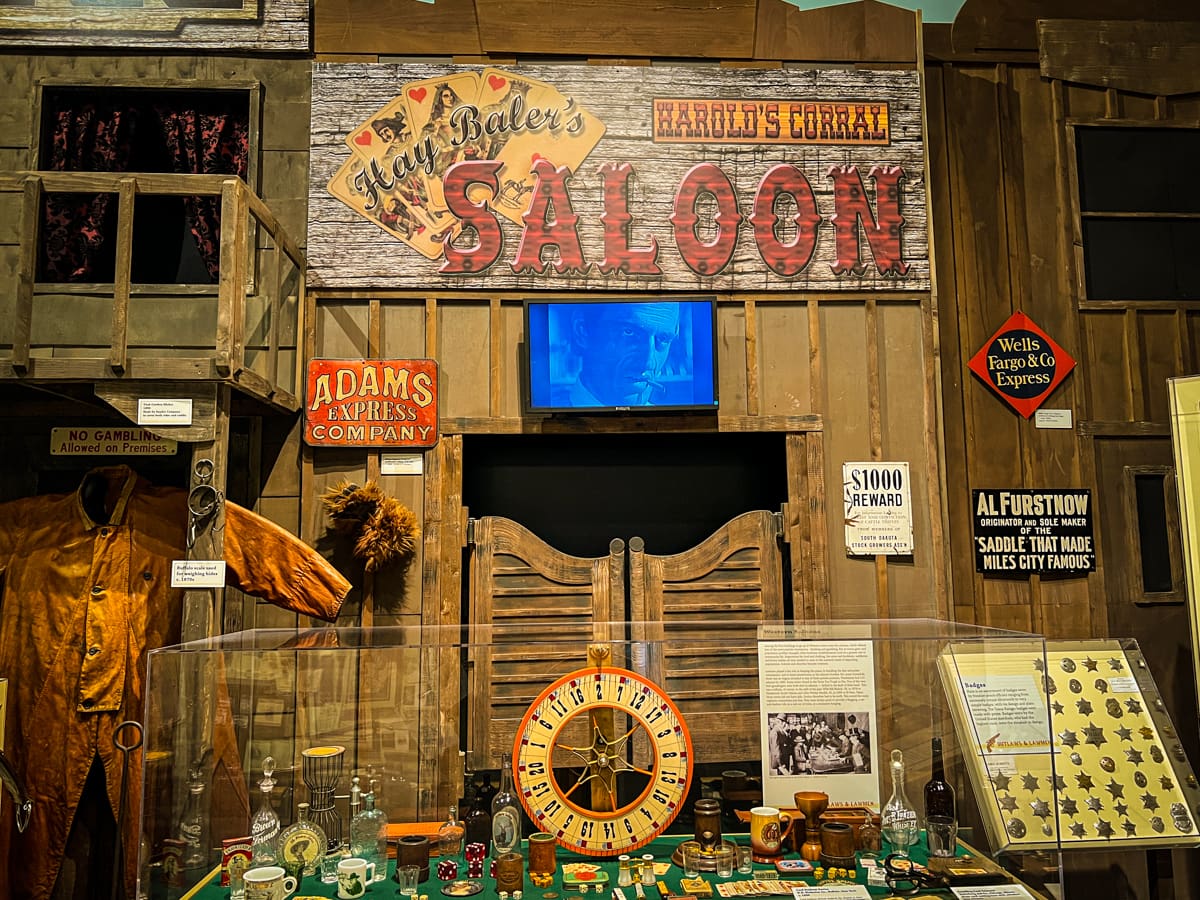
[(531, 604)]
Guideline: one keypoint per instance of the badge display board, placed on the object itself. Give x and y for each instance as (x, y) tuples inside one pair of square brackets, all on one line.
[(1072, 747)]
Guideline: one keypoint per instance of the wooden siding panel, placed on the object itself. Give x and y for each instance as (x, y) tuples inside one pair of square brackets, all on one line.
[(903, 373), (784, 383), (984, 290), (1104, 333), (385, 27), (847, 437), (863, 31), (718, 29), (463, 371)]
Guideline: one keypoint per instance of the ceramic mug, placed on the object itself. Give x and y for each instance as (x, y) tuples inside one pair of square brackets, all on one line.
[(768, 828), (268, 883), (353, 876)]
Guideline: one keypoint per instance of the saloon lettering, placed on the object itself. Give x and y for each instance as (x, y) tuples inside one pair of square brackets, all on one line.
[(552, 222)]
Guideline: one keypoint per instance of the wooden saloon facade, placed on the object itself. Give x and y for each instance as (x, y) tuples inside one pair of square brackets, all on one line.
[(1048, 151)]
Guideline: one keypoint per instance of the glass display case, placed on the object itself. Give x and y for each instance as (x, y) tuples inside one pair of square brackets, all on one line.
[(817, 741)]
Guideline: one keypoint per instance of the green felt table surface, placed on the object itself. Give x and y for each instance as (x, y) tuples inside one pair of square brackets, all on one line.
[(661, 849)]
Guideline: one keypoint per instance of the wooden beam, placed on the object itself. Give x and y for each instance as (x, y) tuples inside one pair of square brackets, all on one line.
[(126, 195), (31, 209), (1156, 58)]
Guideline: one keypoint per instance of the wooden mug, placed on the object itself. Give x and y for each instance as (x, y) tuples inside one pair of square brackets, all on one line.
[(768, 829)]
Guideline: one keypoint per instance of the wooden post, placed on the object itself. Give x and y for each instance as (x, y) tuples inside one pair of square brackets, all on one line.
[(204, 607)]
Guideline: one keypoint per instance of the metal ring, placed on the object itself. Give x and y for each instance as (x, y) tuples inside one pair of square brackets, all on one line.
[(203, 500), (137, 729), (203, 470)]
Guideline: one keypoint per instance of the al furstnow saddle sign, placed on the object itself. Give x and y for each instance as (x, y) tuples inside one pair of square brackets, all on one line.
[(575, 177)]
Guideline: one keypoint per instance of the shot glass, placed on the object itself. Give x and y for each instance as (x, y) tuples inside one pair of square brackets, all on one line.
[(941, 833), (691, 859), (725, 856), (408, 876), (745, 859)]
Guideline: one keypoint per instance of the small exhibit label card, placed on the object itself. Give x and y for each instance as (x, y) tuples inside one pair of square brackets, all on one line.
[(831, 892), (164, 411), (992, 892), (1052, 418), (401, 463), (197, 573)]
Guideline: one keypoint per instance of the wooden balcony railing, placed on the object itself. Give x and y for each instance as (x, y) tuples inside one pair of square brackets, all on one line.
[(186, 332)]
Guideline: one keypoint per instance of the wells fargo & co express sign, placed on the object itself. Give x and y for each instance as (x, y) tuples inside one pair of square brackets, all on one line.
[(622, 178), (371, 403)]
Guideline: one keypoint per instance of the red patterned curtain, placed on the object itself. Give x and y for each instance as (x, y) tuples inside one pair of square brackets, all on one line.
[(206, 143), (75, 227)]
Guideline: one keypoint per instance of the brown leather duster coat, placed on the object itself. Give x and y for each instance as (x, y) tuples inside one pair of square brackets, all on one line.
[(83, 602)]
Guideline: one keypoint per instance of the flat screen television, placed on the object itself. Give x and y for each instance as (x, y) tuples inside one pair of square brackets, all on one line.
[(621, 355)]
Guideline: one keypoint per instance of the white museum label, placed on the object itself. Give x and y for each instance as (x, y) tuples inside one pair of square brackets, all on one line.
[(164, 411), (1053, 418), (401, 464), (197, 573)]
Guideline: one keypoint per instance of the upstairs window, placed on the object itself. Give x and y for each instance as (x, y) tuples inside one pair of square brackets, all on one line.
[(1139, 201), (176, 239)]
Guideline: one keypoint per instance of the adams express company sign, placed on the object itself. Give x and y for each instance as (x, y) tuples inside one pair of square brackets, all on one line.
[(371, 403), (623, 178)]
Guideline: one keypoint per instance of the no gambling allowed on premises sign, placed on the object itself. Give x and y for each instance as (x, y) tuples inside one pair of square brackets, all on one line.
[(1022, 364)]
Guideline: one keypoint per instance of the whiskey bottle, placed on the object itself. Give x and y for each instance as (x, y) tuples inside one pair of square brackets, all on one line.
[(264, 825), (939, 795), (898, 819), (506, 814), (302, 844), (450, 835)]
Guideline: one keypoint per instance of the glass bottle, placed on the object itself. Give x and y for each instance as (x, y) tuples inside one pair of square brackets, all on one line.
[(450, 835), (302, 844), (478, 823), (368, 835), (193, 824), (506, 814), (939, 794), (355, 798), (264, 825), (898, 819)]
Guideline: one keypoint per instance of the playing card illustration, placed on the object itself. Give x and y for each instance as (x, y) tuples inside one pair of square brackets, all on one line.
[(396, 207)]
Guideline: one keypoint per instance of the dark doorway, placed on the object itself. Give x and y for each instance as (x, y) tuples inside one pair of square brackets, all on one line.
[(578, 492)]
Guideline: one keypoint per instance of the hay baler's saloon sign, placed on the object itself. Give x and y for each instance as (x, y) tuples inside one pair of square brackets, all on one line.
[(371, 403), (575, 177)]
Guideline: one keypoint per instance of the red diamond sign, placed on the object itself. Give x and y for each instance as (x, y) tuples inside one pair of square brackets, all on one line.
[(1022, 364)]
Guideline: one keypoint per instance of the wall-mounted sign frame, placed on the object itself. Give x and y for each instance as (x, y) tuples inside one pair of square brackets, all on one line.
[(615, 177), (1022, 364), (371, 403)]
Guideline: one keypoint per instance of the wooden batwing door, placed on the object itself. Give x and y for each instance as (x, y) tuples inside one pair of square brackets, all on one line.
[(705, 605), (531, 606), (533, 611)]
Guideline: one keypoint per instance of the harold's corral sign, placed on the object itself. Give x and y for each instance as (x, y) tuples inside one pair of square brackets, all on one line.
[(371, 403), (614, 177)]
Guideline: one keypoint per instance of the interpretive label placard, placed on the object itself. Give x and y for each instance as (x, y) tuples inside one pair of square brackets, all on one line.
[(164, 411), (197, 573)]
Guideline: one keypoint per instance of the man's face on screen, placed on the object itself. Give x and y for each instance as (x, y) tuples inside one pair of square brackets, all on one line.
[(626, 347)]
